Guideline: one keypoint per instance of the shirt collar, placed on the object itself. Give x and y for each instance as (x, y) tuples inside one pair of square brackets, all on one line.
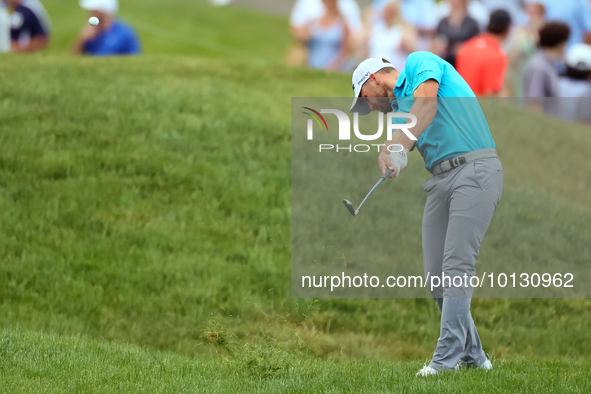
[(401, 79), (399, 82)]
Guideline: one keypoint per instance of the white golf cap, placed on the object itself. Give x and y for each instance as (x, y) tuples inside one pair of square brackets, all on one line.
[(360, 76), (106, 6), (579, 57)]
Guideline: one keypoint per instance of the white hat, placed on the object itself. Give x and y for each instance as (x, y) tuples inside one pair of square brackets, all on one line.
[(579, 57), (360, 76), (106, 6)]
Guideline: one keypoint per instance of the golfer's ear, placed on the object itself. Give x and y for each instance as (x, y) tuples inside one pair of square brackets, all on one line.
[(374, 78)]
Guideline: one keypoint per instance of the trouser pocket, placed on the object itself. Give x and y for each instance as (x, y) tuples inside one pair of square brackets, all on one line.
[(489, 176)]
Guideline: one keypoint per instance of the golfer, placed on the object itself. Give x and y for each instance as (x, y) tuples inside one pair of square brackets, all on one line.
[(454, 139)]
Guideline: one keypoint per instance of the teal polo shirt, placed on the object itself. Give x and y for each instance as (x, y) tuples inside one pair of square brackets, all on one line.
[(459, 125)]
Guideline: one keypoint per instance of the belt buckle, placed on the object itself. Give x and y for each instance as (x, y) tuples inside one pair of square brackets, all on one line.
[(456, 161)]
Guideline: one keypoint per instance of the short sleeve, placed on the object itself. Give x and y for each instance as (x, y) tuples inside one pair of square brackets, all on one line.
[(422, 66)]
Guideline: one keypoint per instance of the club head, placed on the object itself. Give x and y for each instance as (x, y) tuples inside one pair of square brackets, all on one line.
[(349, 207)]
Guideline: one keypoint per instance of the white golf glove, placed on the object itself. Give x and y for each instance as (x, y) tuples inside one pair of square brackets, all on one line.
[(399, 158)]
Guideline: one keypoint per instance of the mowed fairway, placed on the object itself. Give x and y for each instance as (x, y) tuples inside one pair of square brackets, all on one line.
[(146, 201)]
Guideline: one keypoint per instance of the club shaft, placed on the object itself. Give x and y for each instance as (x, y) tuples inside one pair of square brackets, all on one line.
[(386, 175)]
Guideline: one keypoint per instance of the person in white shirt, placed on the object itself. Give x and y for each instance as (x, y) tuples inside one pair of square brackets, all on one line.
[(391, 38), (421, 14)]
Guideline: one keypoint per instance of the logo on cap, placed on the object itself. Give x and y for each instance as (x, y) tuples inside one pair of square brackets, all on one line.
[(363, 78)]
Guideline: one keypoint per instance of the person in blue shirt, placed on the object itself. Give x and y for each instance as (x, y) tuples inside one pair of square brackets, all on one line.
[(452, 135), (111, 36), (30, 26)]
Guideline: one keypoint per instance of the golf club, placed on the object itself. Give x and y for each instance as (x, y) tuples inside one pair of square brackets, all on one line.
[(350, 206)]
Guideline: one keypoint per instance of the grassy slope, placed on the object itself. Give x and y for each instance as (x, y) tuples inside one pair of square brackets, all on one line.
[(33, 362), (141, 197)]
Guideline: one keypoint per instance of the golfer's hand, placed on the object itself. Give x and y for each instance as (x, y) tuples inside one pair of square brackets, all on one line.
[(385, 163)]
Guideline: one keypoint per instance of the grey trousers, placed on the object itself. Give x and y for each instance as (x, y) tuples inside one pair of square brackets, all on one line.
[(460, 205)]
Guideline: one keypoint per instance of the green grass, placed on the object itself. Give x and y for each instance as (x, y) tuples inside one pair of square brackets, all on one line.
[(187, 27), (137, 205), (142, 197), (34, 362)]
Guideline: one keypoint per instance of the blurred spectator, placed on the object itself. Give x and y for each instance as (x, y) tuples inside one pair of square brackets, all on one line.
[(575, 13), (476, 10), (456, 29), (541, 78), (575, 84), (515, 8), (306, 11), (111, 36), (420, 14), (391, 38), (30, 26), (327, 38), (524, 45), (4, 28), (482, 62)]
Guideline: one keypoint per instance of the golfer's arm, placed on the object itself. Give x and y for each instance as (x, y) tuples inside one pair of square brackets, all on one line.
[(424, 108)]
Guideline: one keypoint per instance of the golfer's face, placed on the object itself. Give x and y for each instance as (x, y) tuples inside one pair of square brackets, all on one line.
[(376, 98)]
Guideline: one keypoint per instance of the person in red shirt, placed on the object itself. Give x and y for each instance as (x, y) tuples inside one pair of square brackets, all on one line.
[(481, 60)]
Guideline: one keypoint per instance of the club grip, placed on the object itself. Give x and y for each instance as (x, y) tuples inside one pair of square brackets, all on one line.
[(387, 174)]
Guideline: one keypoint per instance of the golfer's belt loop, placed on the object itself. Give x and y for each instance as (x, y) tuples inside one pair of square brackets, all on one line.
[(457, 161)]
